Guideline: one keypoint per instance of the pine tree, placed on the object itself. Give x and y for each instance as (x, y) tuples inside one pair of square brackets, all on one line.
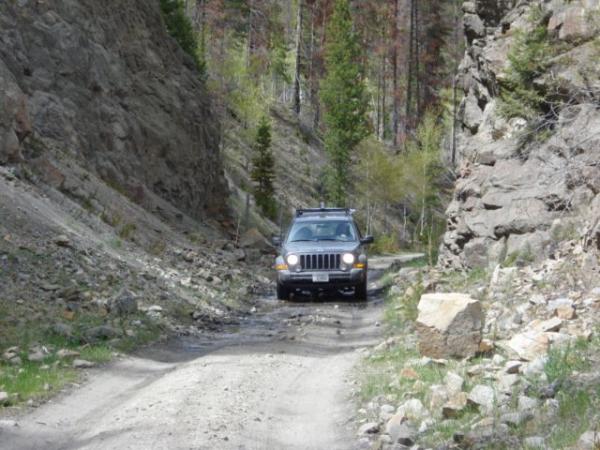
[(180, 27), (263, 172), (343, 93)]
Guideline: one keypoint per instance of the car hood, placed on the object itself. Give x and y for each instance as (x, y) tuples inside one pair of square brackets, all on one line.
[(320, 247)]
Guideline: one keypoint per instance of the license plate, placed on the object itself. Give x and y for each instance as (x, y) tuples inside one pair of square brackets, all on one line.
[(320, 277)]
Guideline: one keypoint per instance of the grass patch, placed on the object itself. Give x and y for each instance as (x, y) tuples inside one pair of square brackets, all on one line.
[(400, 309), (563, 361), (40, 380), (34, 380), (466, 281), (99, 354), (573, 417)]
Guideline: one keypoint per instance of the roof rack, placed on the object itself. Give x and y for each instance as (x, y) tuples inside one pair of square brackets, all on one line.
[(323, 210)]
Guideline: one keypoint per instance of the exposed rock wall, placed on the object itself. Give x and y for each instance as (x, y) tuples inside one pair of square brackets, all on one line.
[(518, 196), (102, 84)]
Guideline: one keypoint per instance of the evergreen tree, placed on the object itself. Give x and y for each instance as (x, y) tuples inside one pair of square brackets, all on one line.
[(343, 93), (263, 170), (180, 27)]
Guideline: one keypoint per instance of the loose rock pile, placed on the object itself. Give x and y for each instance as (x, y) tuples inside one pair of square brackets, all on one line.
[(496, 368)]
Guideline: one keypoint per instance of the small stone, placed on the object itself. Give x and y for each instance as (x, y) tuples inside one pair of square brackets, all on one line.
[(529, 345), (513, 366), (36, 356), (537, 299), (565, 312), (410, 373), (590, 440), (454, 382), (413, 409), (62, 241), (535, 442), (507, 381), (527, 403), (455, 405), (4, 398), (516, 419), (482, 397), (66, 353), (553, 305), (400, 431), (63, 330), (498, 360), (82, 364), (553, 324), (368, 428), (486, 346)]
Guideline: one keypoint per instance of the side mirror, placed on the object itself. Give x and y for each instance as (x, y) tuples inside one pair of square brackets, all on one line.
[(367, 240), (276, 240)]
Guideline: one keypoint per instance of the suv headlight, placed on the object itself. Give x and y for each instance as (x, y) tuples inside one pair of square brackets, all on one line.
[(292, 260), (348, 258)]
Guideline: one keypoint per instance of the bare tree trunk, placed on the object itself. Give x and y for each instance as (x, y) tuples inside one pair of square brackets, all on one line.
[(378, 105), (383, 97), (298, 60), (409, 71), (395, 114), (417, 62)]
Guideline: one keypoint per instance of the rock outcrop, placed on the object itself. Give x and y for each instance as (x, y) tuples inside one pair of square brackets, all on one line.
[(102, 84), (520, 190)]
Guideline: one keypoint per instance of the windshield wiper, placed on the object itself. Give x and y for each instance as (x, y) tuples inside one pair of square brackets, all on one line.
[(303, 240)]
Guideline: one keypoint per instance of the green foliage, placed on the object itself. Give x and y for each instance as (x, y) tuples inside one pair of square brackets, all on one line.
[(31, 381), (344, 95), (180, 27), (385, 244), (563, 361), (529, 58), (248, 97), (263, 170), (411, 178)]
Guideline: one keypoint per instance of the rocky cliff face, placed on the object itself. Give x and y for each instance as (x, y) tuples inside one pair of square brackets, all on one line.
[(526, 184), (102, 84)]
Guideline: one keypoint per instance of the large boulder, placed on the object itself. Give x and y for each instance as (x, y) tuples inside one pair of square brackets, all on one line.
[(449, 325)]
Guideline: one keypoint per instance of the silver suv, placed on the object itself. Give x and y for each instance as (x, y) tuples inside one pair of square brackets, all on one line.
[(323, 250)]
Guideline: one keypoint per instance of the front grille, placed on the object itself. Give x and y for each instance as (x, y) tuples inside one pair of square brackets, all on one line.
[(321, 261)]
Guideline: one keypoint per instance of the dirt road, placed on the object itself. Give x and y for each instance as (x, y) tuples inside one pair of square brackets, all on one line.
[(280, 381)]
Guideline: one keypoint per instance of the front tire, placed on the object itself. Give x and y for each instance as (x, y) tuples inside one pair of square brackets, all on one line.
[(360, 291), (283, 293)]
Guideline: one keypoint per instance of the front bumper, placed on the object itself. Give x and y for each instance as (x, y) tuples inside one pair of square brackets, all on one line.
[(337, 279)]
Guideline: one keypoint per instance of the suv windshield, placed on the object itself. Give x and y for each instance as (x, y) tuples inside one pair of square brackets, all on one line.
[(322, 230)]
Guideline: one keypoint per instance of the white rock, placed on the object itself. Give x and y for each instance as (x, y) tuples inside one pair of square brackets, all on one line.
[(553, 305), (454, 382), (82, 364), (535, 442), (483, 397), (449, 325), (528, 403), (552, 324), (590, 440), (414, 410), (535, 367), (529, 344)]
